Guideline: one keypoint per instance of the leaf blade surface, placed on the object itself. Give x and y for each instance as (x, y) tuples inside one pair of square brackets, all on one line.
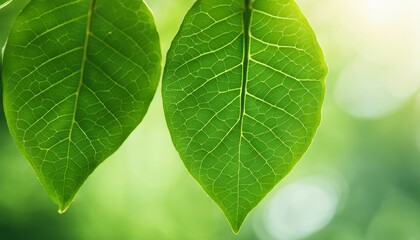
[(242, 89), (78, 77)]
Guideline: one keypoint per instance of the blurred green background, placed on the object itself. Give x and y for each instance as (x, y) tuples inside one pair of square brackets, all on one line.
[(359, 180)]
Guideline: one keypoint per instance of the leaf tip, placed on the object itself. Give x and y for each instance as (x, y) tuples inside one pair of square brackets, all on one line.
[(62, 210), (235, 229), (63, 207), (236, 224)]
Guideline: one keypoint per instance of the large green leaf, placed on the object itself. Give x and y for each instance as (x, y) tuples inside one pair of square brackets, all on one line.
[(78, 78), (242, 89)]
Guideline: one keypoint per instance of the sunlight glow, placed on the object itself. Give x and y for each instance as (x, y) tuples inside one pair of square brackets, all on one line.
[(382, 70), (380, 10), (368, 90), (301, 208)]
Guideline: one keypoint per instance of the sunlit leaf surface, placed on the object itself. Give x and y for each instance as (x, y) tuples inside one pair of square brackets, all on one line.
[(78, 77), (242, 90)]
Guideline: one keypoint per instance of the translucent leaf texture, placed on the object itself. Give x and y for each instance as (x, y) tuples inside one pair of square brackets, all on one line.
[(243, 88), (78, 77)]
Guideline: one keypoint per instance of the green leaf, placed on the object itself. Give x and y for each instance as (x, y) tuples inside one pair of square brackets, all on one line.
[(78, 77), (242, 89)]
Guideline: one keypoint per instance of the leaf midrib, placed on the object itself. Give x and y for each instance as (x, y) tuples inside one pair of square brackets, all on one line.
[(3, 5), (246, 21), (77, 94)]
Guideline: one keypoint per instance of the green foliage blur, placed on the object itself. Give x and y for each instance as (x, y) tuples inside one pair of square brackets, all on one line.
[(359, 180)]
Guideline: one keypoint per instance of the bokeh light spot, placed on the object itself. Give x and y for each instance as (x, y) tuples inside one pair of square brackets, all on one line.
[(301, 208), (368, 90)]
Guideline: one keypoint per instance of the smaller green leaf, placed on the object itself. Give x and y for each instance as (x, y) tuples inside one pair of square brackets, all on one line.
[(78, 77)]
